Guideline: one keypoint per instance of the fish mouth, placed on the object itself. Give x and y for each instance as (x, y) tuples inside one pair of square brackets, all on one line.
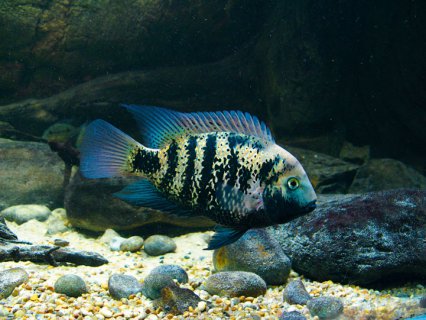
[(310, 206)]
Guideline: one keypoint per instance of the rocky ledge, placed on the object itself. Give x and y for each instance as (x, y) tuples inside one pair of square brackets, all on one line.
[(360, 239)]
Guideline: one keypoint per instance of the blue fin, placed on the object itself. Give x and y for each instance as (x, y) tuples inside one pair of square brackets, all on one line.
[(143, 193), (160, 125), (224, 236), (104, 150)]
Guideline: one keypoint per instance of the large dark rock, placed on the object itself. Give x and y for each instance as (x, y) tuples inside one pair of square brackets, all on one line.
[(386, 174), (90, 205), (30, 174), (360, 239)]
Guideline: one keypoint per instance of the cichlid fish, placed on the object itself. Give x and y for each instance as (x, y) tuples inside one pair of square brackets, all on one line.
[(224, 165)]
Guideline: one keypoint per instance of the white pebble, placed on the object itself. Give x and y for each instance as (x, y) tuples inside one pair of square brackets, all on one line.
[(202, 306), (106, 312)]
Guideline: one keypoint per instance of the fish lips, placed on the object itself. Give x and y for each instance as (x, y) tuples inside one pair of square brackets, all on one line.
[(311, 206)]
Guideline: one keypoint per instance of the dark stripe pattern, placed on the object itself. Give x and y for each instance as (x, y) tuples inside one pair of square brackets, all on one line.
[(206, 189), (266, 169), (145, 161), (189, 170), (233, 165), (172, 163)]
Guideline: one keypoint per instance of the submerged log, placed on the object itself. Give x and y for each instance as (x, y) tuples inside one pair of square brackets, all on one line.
[(11, 249), (49, 254)]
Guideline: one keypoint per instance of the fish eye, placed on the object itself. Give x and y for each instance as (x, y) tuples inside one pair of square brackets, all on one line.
[(293, 183)]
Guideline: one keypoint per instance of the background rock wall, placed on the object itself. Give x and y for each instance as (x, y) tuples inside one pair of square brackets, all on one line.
[(350, 70)]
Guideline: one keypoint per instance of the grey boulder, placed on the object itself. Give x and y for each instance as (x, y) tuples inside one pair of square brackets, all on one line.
[(30, 173)]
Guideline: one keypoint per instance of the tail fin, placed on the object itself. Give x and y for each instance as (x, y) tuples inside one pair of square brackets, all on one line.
[(104, 151)]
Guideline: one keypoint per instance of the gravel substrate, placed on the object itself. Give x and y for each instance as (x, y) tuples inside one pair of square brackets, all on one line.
[(36, 298)]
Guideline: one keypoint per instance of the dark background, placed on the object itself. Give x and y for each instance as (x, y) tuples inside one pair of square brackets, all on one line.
[(318, 72)]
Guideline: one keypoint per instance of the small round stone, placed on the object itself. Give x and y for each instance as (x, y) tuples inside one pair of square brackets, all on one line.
[(295, 293), (154, 283), (131, 244), (157, 245), (106, 312), (115, 243), (325, 307), (26, 212), (10, 279), (202, 305), (122, 286), (60, 242), (70, 285), (174, 271), (293, 315), (235, 284)]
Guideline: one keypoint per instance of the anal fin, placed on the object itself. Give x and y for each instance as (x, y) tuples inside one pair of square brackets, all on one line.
[(224, 236)]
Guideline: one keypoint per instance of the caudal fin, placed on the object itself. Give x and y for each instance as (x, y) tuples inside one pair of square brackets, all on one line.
[(104, 151)]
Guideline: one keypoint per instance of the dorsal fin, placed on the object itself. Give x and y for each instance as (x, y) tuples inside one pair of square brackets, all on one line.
[(160, 125)]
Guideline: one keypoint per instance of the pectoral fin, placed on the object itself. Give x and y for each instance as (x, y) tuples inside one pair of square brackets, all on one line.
[(224, 236)]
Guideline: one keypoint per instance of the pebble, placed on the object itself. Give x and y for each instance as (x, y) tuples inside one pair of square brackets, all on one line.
[(131, 244), (4, 312), (325, 307), (26, 212), (157, 245), (292, 315), (202, 305), (71, 285), (10, 279), (60, 242), (174, 271), (57, 222), (108, 235), (235, 284), (256, 251), (295, 293), (123, 286), (115, 243), (106, 312), (154, 283)]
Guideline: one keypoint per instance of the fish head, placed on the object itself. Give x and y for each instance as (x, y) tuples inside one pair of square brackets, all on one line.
[(289, 194)]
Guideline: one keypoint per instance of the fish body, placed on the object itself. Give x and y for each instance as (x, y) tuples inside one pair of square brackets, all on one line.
[(230, 170)]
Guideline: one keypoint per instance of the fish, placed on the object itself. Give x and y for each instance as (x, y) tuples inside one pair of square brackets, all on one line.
[(224, 165)]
